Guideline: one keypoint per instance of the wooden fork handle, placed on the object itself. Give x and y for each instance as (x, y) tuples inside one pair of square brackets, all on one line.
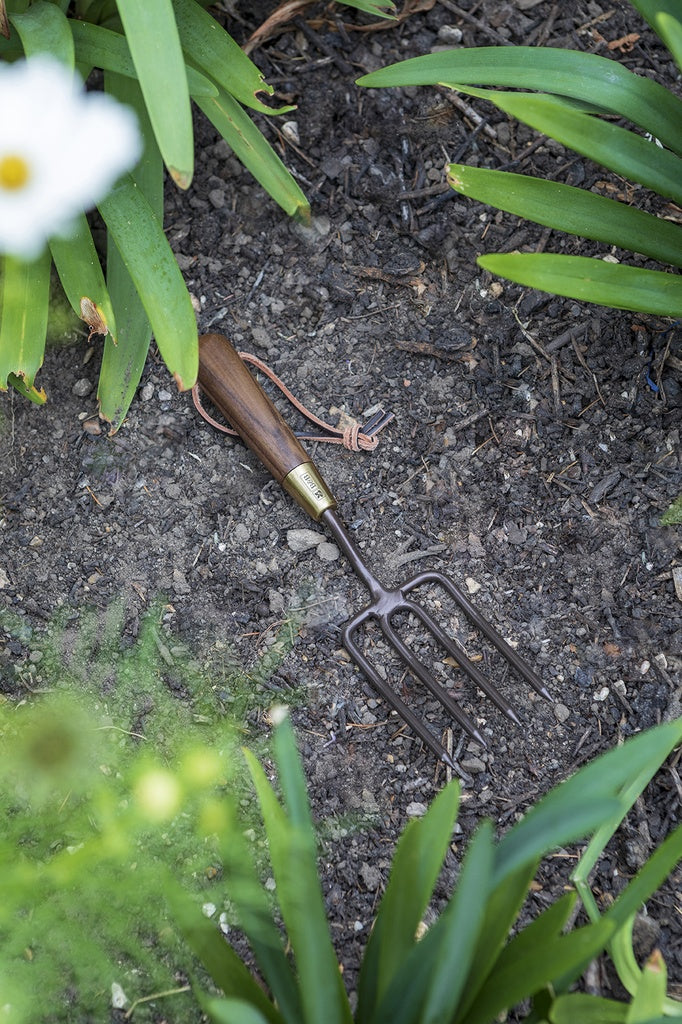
[(234, 391)]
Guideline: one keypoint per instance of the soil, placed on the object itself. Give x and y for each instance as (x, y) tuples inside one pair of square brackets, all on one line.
[(535, 446)]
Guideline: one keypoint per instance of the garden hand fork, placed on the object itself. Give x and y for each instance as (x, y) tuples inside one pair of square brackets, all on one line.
[(234, 391)]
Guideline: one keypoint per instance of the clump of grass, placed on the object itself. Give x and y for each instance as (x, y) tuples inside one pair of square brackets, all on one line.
[(120, 777)]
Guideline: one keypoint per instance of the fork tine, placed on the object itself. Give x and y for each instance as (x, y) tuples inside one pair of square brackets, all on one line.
[(482, 623), (425, 677), (392, 698), (456, 651)]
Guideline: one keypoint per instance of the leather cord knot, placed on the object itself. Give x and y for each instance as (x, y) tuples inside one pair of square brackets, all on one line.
[(355, 437)]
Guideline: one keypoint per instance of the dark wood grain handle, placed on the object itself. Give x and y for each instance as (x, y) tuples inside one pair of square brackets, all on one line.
[(240, 398)]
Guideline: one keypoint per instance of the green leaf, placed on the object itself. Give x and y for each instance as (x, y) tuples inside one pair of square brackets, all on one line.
[(23, 323), (571, 209), (45, 29), (102, 48), (293, 858), (151, 264), (428, 984), (123, 362), (416, 865), (664, 18), (254, 917), (80, 273), (648, 1001), (210, 47), (604, 780), (154, 43), (587, 1009), (502, 909), (291, 778), (618, 149), (592, 280), (222, 963), (583, 76), (380, 8), (250, 146), (673, 515), (518, 979), (232, 1011)]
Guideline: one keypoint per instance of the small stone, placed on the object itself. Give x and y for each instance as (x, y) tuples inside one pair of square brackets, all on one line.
[(473, 765), (370, 876), (561, 712), (290, 132), (208, 909), (472, 585), (602, 694), (216, 198), (303, 540), (147, 391), (180, 584), (82, 387), (644, 667), (327, 551), (270, 884), (164, 395), (450, 35), (119, 999), (415, 809), (4, 579)]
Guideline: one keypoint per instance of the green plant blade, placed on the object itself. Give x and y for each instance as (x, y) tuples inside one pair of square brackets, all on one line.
[(428, 985), (207, 44), (222, 963), (604, 780), (592, 280), (502, 908), (416, 865), (587, 1009), (152, 36), (80, 273), (615, 148), (547, 70), (571, 209), (123, 363), (102, 48), (380, 8), (648, 1001), (664, 18), (293, 857), (45, 29), (151, 264), (254, 917), (232, 1011), (250, 146), (23, 323)]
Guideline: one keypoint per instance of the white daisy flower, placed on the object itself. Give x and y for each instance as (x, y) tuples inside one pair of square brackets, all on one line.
[(61, 150)]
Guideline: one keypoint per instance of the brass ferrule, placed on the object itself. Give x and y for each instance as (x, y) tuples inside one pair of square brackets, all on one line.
[(308, 489)]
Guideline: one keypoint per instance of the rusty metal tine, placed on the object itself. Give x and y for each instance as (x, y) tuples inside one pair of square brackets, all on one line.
[(425, 677), (482, 623), (392, 698), (457, 652)]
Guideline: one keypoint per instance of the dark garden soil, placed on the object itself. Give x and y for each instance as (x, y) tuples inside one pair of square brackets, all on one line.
[(535, 446)]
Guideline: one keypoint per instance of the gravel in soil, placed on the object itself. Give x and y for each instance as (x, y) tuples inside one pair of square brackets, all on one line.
[(535, 446)]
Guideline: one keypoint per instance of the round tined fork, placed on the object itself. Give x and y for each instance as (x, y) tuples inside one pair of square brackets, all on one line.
[(233, 390)]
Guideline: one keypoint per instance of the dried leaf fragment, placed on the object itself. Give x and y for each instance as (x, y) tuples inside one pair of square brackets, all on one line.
[(94, 317)]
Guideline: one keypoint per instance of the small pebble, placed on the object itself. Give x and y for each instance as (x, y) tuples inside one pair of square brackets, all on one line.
[(472, 585), (147, 391), (303, 540), (164, 395), (415, 810), (644, 667), (371, 877), (449, 34), (82, 387), (602, 694), (119, 999), (327, 551), (561, 712)]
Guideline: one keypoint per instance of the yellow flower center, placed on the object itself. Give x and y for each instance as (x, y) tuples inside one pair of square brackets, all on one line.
[(14, 172)]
